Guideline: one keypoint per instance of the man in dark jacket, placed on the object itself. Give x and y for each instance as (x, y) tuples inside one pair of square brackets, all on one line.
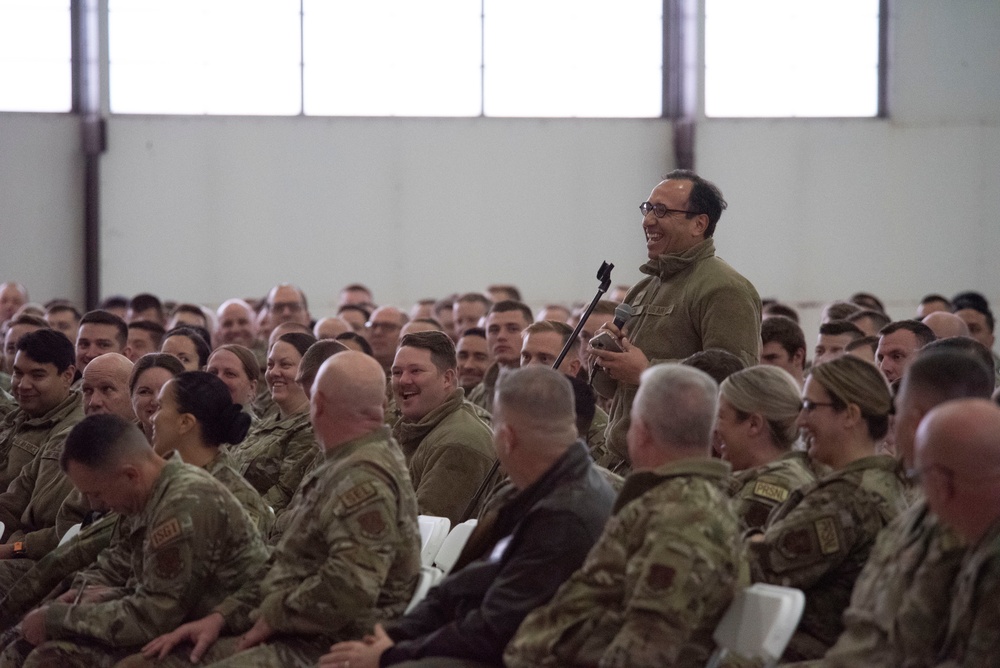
[(520, 552)]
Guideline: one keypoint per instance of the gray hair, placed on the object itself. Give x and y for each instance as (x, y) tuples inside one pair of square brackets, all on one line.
[(541, 395), (678, 404)]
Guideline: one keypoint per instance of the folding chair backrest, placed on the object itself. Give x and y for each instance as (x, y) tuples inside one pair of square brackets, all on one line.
[(433, 531), (759, 623), (452, 546)]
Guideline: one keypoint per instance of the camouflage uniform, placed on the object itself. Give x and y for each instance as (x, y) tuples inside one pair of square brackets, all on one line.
[(190, 546), (449, 453), (759, 490), (7, 403), (819, 540), (350, 558), (656, 583), (22, 437), (40, 578), (47, 573), (482, 394), (899, 607), (972, 637), (275, 455), (34, 501), (596, 436), (689, 302)]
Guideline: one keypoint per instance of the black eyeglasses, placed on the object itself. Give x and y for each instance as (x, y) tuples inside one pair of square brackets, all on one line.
[(660, 210), (809, 406)]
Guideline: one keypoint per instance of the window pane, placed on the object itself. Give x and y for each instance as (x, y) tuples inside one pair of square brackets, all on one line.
[(392, 57), (204, 57), (573, 58), (791, 58), (35, 55)]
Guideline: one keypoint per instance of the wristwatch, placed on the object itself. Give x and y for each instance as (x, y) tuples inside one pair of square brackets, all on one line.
[(20, 549)]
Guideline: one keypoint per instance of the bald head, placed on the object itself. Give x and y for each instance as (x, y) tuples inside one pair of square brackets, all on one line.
[(958, 453), (945, 325), (105, 386), (330, 328), (348, 398)]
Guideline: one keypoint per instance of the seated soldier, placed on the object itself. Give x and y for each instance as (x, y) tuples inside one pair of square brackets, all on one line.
[(190, 544), (278, 450), (504, 324), (820, 539), (541, 343), (655, 585), (350, 557), (958, 460), (473, 358), (32, 441), (758, 410), (898, 343), (521, 552), (105, 391), (784, 346), (898, 611), (833, 339), (100, 332), (447, 446)]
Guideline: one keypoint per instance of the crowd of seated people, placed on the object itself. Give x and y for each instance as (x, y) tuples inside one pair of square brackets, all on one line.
[(246, 482)]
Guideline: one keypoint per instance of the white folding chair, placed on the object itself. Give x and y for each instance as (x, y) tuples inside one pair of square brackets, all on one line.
[(452, 546), (758, 624), (70, 533), (429, 576), (433, 531), (2, 527)]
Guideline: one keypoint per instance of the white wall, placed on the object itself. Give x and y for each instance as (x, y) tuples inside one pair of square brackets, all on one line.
[(206, 208), (41, 204)]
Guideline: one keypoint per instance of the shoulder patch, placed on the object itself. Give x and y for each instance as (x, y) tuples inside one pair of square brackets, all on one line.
[(358, 495), (826, 531), (659, 310), (372, 524), (796, 543), (169, 563), (767, 490), (165, 533)]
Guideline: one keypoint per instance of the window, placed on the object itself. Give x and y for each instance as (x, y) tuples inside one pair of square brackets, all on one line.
[(205, 57), (35, 56), (784, 58)]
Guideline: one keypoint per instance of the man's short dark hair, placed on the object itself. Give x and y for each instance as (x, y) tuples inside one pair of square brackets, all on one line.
[(878, 318), (114, 301), (950, 374), (99, 441), (511, 290), (193, 309), (444, 304), (870, 341), (100, 317), (717, 363), (962, 344), (960, 303), (440, 345), (923, 333), (28, 319), (474, 331), (508, 305), (474, 298), (868, 301), (47, 346), (839, 310), (781, 309), (783, 331), (839, 327), (705, 197), (145, 301), (934, 297), (355, 307), (155, 329), (63, 307), (361, 341)]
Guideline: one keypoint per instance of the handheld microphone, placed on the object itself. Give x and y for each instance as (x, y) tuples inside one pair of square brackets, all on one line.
[(622, 314)]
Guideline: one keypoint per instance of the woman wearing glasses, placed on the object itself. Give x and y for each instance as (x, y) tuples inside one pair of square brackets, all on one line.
[(757, 426), (820, 539)]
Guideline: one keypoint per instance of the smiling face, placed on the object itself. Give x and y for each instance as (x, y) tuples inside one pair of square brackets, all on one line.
[(731, 435), (674, 232), (418, 385), (822, 424), (147, 389), (167, 421), (473, 360), (228, 367), (39, 387), (183, 349), (282, 369)]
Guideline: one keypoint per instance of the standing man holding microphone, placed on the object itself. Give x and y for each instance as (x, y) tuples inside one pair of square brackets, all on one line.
[(690, 301)]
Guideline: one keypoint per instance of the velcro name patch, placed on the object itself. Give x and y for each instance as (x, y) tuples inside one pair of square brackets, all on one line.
[(826, 532), (767, 490), (357, 495), (165, 533)]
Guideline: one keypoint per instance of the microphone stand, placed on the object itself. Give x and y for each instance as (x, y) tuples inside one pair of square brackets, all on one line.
[(604, 276)]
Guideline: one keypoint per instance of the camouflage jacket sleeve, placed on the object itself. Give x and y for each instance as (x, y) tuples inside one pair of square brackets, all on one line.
[(278, 478), (30, 505), (54, 568), (812, 534), (357, 522), (172, 577)]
